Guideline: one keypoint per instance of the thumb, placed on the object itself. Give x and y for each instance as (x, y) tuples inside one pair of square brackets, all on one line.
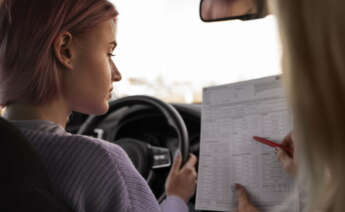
[(177, 163), (241, 195), (283, 157), (287, 162)]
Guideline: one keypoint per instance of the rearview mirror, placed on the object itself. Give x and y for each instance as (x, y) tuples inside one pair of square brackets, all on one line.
[(218, 10)]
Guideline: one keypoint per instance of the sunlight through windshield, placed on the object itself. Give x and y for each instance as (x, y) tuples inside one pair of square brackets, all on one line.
[(165, 50)]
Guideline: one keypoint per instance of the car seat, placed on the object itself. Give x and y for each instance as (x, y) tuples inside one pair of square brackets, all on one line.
[(24, 181)]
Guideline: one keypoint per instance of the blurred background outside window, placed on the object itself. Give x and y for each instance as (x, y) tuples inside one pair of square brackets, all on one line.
[(166, 51)]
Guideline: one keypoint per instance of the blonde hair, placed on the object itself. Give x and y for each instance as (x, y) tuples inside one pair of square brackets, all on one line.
[(313, 37)]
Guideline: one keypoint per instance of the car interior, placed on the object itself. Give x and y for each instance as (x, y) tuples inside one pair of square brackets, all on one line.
[(150, 130)]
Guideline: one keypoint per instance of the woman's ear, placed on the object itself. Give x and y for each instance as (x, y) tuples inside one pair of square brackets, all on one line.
[(63, 49)]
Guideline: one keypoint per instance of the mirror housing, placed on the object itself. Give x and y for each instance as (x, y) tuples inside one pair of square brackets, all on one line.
[(220, 10)]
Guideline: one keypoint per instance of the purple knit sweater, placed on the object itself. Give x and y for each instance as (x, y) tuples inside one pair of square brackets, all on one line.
[(92, 175)]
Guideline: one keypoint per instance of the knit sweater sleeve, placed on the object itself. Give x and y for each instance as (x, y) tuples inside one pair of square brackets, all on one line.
[(93, 175), (140, 196)]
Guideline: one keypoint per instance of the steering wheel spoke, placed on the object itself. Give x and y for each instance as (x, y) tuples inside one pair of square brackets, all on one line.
[(161, 157)]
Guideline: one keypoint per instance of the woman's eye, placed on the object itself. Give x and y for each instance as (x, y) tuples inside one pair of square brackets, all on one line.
[(111, 55)]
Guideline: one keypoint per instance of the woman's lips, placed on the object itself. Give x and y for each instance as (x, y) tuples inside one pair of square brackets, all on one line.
[(110, 92)]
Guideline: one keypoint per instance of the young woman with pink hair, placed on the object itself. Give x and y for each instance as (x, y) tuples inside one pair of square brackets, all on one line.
[(55, 58)]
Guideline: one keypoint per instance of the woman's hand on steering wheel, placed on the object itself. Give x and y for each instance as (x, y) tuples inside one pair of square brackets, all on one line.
[(182, 182)]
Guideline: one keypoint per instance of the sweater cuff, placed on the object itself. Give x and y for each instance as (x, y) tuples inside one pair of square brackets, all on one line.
[(174, 204)]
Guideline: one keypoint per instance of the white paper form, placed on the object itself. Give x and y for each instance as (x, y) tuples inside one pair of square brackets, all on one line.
[(231, 115)]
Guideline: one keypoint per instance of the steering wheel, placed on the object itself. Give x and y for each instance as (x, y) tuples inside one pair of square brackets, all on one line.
[(145, 157)]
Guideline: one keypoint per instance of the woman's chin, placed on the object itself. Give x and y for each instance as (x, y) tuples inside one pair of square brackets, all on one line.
[(102, 110), (96, 109)]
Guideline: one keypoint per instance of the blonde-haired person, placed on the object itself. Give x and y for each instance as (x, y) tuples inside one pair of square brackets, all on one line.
[(313, 38), (55, 58)]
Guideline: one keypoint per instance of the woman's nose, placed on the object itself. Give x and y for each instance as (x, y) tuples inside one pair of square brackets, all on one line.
[(115, 74)]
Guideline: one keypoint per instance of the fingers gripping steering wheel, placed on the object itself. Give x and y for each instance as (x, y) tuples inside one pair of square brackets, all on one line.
[(144, 156)]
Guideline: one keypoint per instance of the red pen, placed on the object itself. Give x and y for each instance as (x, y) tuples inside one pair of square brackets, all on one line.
[(272, 144)]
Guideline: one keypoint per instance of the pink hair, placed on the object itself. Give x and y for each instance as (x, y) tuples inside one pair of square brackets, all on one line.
[(28, 66)]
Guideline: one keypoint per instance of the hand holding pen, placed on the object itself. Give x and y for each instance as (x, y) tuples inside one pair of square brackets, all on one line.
[(273, 144), (285, 152)]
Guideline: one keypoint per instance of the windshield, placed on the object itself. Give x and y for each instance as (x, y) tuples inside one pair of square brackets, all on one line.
[(166, 51)]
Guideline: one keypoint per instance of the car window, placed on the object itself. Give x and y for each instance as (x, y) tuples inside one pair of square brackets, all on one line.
[(165, 50)]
